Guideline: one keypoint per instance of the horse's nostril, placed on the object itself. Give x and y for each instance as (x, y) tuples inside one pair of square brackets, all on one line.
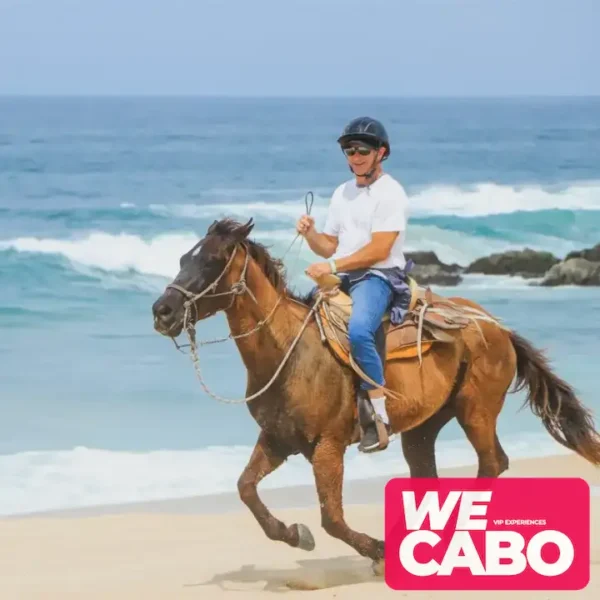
[(164, 310)]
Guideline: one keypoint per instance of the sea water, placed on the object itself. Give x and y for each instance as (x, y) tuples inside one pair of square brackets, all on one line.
[(99, 197)]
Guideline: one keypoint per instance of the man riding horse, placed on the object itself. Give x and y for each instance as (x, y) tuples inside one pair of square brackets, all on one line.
[(363, 240)]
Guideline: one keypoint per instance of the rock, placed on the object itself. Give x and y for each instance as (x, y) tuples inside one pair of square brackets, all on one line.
[(430, 270), (431, 258), (592, 254), (434, 275), (526, 263), (574, 271)]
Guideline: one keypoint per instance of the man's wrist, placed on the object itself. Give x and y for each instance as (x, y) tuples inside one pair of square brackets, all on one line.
[(333, 265)]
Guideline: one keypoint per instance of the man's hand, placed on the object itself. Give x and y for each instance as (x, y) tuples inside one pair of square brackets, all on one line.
[(316, 270), (305, 225)]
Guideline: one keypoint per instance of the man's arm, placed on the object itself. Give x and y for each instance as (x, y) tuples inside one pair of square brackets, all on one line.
[(322, 244), (376, 250), (389, 220)]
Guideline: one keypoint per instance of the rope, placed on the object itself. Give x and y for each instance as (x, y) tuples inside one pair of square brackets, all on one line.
[(237, 289), (247, 399), (242, 288)]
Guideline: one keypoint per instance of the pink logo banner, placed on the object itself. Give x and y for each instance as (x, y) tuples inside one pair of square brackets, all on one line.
[(487, 534)]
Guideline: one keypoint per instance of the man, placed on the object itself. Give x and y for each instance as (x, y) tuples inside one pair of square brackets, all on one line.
[(363, 241)]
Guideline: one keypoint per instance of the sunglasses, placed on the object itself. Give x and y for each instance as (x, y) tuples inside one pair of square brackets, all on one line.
[(362, 150)]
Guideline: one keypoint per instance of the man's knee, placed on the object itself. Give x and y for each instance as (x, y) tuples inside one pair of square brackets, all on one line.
[(359, 333)]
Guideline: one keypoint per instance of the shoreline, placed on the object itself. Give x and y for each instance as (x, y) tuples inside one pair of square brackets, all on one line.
[(193, 494), (363, 491), (176, 549)]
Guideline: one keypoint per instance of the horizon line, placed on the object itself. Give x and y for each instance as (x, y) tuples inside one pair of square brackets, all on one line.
[(297, 96)]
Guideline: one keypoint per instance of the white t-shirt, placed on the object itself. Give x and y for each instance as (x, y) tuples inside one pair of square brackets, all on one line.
[(357, 212)]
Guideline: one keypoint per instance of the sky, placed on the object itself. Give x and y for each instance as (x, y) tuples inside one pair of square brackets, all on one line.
[(300, 47)]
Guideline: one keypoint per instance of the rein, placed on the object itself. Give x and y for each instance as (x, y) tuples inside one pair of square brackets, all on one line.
[(237, 289)]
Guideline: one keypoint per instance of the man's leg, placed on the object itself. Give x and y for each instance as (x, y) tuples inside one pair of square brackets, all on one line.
[(370, 300)]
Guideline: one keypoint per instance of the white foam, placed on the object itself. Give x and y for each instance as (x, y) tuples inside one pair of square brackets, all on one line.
[(490, 198), (260, 211), (114, 252), (37, 481), (479, 199), (159, 255)]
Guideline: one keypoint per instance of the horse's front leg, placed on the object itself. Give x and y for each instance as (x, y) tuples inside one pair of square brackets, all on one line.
[(266, 457), (328, 468)]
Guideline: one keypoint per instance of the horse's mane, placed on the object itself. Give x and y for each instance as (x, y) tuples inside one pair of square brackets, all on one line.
[(273, 268)]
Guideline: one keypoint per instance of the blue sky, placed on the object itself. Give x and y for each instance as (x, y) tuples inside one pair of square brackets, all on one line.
[(300, 47)]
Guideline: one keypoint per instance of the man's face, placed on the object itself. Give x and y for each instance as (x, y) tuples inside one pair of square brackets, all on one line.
[(361, 157)]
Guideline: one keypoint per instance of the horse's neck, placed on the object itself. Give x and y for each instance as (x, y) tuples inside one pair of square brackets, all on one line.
[(262, 310)]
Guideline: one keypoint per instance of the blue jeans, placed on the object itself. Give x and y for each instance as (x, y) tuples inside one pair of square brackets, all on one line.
[(371, 298)]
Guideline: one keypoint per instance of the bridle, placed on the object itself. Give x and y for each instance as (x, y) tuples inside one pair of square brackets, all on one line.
[(237, 289)]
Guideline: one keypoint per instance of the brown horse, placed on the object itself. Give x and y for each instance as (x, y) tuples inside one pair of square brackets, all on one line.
[(304, 399)]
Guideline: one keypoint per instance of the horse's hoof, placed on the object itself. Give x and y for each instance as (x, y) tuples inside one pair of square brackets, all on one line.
[(306, 541), (378, 567)]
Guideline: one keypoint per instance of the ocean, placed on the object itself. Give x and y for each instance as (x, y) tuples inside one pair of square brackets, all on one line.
[(99, 197)]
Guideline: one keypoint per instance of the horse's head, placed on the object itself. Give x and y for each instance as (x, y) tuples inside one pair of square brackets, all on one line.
[(203, 285)]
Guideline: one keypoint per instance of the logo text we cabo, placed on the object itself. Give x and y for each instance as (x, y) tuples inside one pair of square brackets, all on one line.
[(494, 534)]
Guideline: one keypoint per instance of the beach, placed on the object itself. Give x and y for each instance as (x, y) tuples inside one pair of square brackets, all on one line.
[(212, 547)]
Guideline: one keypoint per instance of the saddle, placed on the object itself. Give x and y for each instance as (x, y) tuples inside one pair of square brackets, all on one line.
[(429, 320)]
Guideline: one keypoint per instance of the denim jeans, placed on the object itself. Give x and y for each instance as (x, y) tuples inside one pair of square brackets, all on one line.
[(371, 298)]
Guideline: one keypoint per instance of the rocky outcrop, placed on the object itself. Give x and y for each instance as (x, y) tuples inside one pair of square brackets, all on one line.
[(591, 254), (581, 267), (573, 271), (430, 270), (526, 263)]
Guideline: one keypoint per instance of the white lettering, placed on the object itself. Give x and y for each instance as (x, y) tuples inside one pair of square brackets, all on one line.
[(494, 553), (461, 541), (565, 548), (407, 553), (438, 516), (468, 510)]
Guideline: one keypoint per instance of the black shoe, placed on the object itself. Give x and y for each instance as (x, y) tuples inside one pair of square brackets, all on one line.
[(371, 441)]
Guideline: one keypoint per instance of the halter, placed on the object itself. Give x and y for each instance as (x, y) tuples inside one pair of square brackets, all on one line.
[(237, 289)]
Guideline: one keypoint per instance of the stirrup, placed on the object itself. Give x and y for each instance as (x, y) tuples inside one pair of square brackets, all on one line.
[(384, 435)]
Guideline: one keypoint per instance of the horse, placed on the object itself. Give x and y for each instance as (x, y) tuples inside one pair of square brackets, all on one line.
[(304, 398)]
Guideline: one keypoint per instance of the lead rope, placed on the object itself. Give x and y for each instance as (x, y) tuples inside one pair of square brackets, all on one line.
[(237, 289), (242, 287), (247, 399)]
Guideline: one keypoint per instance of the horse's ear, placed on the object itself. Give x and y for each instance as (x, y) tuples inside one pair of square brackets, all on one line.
[(212, 228), (243, 231)]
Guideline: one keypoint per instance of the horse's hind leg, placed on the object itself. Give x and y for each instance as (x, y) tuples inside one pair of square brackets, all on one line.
[(502, 457), (266, 457), (328, 468), (418, 444), (478, 416)]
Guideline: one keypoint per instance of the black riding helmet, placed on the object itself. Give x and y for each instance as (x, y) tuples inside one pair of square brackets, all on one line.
[(368, 130)]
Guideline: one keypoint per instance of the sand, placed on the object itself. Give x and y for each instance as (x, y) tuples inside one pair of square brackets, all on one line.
[(205, 548)]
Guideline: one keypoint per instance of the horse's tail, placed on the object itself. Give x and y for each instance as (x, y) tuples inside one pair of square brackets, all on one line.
[(565, 418)]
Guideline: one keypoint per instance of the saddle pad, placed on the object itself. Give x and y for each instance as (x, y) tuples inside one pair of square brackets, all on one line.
[(401, 343)]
